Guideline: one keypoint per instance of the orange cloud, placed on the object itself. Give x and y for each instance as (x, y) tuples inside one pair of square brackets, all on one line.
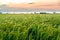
[(41, 5)]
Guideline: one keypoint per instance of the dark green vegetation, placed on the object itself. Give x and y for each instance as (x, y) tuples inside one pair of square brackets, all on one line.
[(30, 27)]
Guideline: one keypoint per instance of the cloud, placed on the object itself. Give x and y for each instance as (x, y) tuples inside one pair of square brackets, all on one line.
[(45, 4), (16, 1), (28, 1)]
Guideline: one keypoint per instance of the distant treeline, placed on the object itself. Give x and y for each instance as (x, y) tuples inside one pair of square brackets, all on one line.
[(29, 13)]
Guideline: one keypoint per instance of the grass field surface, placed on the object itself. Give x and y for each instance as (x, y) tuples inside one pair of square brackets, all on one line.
[(29, 26)]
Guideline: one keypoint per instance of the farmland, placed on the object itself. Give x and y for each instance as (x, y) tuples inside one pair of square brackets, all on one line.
[(29, 26)]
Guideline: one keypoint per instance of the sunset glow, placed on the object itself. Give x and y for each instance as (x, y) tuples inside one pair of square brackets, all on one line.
[(27, 1), (16, 1), (50, 4)]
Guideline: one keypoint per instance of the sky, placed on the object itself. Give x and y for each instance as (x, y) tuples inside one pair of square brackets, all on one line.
[(26, 1), (50, 4), (17, 1)]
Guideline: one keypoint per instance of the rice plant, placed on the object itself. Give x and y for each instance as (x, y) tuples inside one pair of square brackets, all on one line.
[(29, 27)]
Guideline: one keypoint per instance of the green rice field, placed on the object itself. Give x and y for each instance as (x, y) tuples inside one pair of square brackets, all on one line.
[(29, 26)]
